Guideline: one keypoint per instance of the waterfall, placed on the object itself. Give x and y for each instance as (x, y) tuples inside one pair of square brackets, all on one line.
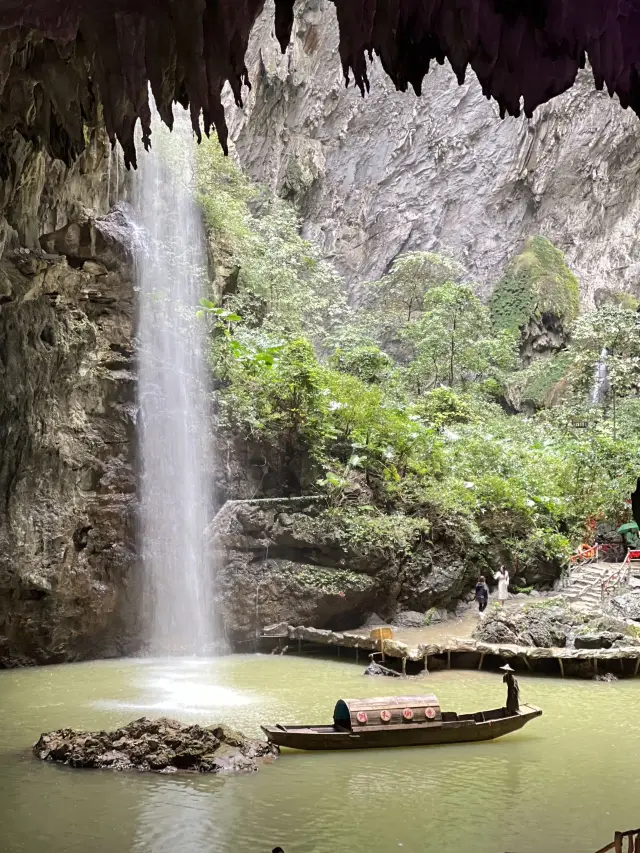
[(175, 500), (600, 379)]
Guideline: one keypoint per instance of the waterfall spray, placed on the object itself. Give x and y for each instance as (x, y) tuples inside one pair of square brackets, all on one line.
[(175, 500)]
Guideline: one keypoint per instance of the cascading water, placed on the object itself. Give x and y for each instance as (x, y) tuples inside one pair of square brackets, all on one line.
[(175, 500), (600, 379)]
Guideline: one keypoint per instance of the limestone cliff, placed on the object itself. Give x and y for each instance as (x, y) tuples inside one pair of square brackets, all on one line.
[(390, 173), (66, 411)]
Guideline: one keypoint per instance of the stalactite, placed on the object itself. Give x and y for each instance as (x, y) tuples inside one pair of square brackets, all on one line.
[(64, 61)]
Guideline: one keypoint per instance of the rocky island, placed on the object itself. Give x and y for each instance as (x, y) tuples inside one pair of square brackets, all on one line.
[(163, 746)]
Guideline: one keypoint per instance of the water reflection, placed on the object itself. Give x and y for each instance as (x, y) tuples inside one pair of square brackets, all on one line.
[(182, 816), (185, 688)]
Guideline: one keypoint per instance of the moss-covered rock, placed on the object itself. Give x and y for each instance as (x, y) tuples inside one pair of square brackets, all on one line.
[(544, 383), (535, 283)]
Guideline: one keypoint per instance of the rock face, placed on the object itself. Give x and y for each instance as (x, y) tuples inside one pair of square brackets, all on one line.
[(160, 745), (64, 64), (67, 412), (390, 173), (295, 562)]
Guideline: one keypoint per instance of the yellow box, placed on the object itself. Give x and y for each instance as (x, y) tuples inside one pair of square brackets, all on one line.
[(385, 633)]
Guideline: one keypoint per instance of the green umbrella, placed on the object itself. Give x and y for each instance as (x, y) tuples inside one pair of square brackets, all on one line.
[(626, 528)]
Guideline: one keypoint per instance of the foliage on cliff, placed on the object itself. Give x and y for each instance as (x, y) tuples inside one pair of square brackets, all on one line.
[(536, 282), (393, 411), (264, 270)]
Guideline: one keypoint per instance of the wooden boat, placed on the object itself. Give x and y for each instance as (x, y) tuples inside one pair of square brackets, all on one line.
[(399, 721)]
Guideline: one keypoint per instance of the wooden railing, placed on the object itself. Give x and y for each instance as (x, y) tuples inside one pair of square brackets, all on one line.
[(620, 577), (633, 842)]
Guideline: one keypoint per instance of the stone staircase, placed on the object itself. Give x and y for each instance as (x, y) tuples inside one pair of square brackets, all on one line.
[(584, 586)]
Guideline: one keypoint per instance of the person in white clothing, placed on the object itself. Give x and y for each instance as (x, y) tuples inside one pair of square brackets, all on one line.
[(502, 577)]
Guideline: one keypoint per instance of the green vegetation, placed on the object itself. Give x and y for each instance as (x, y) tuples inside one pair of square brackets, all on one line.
[(536, 282), (397, 412), (332, 582), (266, 272)]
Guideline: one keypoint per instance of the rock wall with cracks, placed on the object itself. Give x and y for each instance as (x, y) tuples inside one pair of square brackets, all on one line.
[(67, 484), (390, 173), (286, 560)]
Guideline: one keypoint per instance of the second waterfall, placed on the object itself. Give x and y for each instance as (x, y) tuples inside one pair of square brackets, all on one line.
[(173, 423)]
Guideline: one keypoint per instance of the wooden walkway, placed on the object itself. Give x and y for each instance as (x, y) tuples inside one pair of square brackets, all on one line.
[(464, 654)]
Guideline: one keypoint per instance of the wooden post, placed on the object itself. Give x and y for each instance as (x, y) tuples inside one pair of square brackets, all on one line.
[(526, 661), (382, 649), (617, 842), (357, 653), (595, 665), (448, 658), (404, 666), (561, 667), (635, 672), (426, 664), (481, 660)]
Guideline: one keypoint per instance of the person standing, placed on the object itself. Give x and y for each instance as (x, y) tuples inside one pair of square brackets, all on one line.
[(482, 594), (502, 577), (513, 691)]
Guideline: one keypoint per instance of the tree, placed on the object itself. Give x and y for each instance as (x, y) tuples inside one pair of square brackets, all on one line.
[(366, 361), (397, 300), (402, 291), (453, 340)]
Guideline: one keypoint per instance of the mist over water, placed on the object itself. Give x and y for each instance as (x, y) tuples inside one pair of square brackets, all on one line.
[(173, 427)]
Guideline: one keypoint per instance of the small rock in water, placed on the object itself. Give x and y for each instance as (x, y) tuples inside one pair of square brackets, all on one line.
[(605, 676), (159, 745), (376, 669)]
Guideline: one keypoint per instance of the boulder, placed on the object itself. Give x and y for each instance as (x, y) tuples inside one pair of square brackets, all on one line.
[(162, 745), (627, 606), (528, 625), (604, 640), (409, 619)]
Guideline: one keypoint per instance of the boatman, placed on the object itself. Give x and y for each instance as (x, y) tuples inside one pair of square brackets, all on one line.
[(513, 691)]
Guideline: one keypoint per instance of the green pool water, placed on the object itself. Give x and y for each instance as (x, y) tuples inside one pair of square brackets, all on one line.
[(564, 783)]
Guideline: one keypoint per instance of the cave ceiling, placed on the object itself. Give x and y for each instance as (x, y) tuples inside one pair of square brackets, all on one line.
[(66, 65)]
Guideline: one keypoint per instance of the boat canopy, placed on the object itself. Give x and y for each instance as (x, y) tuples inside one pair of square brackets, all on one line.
[(381, 712)]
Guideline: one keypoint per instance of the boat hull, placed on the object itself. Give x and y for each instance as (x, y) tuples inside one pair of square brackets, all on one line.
[(460, 731)]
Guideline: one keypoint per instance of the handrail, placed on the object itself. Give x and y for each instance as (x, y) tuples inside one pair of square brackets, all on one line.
[(617, 578), (616, 844)]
